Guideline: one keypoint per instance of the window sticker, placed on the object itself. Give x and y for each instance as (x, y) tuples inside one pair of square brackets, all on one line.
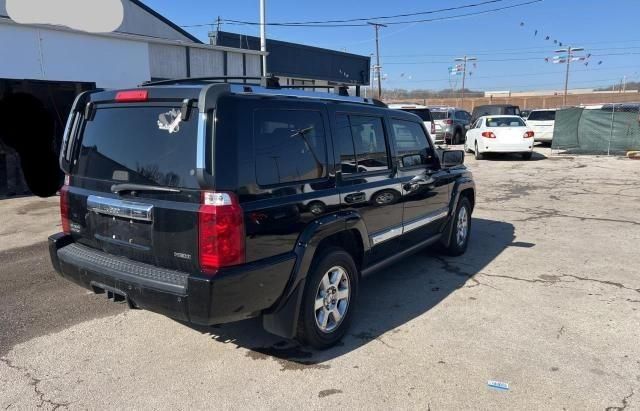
[(170, 121)]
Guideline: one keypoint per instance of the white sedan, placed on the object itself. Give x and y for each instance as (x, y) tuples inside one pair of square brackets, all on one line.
[(500, 134)]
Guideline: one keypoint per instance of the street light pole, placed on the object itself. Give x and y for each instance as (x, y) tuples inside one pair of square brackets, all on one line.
[(377, 26), (263, 36), (464, 75)]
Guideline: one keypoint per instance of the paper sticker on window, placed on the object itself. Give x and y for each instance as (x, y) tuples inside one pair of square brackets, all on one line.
[(170, 121)]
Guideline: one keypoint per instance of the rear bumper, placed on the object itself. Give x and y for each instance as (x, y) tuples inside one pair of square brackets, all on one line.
[(544, 137), (233, 294), (486, 145)]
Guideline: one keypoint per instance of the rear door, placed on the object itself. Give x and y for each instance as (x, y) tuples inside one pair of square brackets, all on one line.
[(366, 181), (425, 186), (133, 189)]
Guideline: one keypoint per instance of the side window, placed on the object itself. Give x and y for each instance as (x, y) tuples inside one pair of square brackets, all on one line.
[(412, 146), (289, 145), (361, 144)]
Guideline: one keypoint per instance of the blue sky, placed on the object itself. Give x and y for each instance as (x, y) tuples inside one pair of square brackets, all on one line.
[(418, 55)]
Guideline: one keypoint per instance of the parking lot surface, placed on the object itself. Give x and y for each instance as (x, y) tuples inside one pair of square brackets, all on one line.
[(546, 299)]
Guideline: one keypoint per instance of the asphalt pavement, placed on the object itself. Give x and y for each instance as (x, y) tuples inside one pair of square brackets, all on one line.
[(546, 300)]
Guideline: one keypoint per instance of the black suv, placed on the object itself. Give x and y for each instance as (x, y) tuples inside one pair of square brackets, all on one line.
[(212, 202)]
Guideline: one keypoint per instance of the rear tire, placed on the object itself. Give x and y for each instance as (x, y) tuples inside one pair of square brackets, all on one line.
[(526, 156), (457, 137), (478, 154), (461, 229), (328, 300)]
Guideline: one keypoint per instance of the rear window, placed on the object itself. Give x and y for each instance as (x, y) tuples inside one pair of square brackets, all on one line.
[(439, 115), (423, 113), (499, 110), (547, 115), (505, 122), (135, 145)]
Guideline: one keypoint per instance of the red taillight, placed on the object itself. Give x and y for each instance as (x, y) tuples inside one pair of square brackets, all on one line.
[(220, 231), (132, 95), (64, 206), (528, 134), (488, 134), (448, 121)]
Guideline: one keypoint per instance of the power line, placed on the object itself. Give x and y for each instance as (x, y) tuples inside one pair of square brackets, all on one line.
[(334, 25), (509, 59), (504, 53)]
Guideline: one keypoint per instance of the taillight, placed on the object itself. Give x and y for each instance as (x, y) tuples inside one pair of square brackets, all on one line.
[(448, 121), (220, 231), (488, 134), (528, 134), (64, 206), (132, 96)]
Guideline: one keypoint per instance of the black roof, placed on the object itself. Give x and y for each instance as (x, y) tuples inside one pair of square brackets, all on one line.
[(301, 61)]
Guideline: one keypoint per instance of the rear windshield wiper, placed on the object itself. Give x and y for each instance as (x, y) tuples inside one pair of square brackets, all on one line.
[(119, 188)]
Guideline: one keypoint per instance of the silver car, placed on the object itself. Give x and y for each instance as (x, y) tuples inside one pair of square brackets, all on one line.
[(450, 123)]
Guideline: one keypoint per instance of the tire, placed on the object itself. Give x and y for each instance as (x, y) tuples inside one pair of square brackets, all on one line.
[(526, 156), (478, 154), (457, 243), (318, 327), (457, 137)]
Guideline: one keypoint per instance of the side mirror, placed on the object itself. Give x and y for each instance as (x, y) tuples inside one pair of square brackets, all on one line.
[(452, 158)]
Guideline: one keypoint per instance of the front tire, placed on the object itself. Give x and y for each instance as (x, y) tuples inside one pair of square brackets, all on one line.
[(461, 229), (328, 299)]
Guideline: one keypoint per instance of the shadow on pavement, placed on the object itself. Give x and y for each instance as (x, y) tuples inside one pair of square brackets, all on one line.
[(512, 157), (387, 300)]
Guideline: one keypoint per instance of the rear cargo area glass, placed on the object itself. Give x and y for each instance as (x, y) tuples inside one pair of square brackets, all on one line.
[(135, 145)]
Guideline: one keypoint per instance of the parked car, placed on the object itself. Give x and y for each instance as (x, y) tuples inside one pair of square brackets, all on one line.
[(450, 124), (500, 134), (264, 212), (424, 113), (494, 110), (542, 123)]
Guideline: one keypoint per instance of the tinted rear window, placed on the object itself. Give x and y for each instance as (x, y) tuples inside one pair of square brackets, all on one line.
[(548, 115), (439, 115), (498, 110), (423, 113), (129, 144), (505, 122)]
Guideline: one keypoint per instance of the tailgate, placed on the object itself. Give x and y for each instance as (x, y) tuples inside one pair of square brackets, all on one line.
[(133, 190)]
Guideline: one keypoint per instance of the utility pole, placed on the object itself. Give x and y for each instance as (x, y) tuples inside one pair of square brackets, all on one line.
[(569, 50), (377, 26), (263, 37), (464, 75)]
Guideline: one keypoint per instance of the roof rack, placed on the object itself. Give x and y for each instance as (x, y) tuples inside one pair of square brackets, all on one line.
[(271, 86)]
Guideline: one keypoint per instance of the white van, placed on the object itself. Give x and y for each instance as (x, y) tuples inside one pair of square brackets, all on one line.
[(542, 123), (424, 113)]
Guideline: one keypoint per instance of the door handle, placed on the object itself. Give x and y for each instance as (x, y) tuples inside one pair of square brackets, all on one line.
[(355, 198)]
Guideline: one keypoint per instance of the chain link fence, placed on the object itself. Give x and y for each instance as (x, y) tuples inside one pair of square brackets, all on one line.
[(599, 129)]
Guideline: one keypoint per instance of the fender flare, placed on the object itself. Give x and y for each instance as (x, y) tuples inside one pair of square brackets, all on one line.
[(459, 186), (282, 319)]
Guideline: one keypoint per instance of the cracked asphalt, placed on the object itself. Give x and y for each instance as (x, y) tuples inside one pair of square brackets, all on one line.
[(547, 299)]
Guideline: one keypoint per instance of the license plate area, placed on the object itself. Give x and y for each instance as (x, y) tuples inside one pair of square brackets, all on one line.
[(121, 222), (123, 231)]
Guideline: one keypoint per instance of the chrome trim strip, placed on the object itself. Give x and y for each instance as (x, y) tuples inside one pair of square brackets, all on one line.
[(202, 131), (387, 235), (429, 218), (119, 208)]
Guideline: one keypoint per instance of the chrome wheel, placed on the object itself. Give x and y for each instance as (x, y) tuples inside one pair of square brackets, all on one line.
[(332, 299), (462, 226), (385, 198)]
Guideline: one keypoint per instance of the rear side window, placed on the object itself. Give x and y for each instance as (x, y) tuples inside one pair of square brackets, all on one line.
[(134, 145), (289, 146), (411, 143), (547, 115), (361, 144)]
